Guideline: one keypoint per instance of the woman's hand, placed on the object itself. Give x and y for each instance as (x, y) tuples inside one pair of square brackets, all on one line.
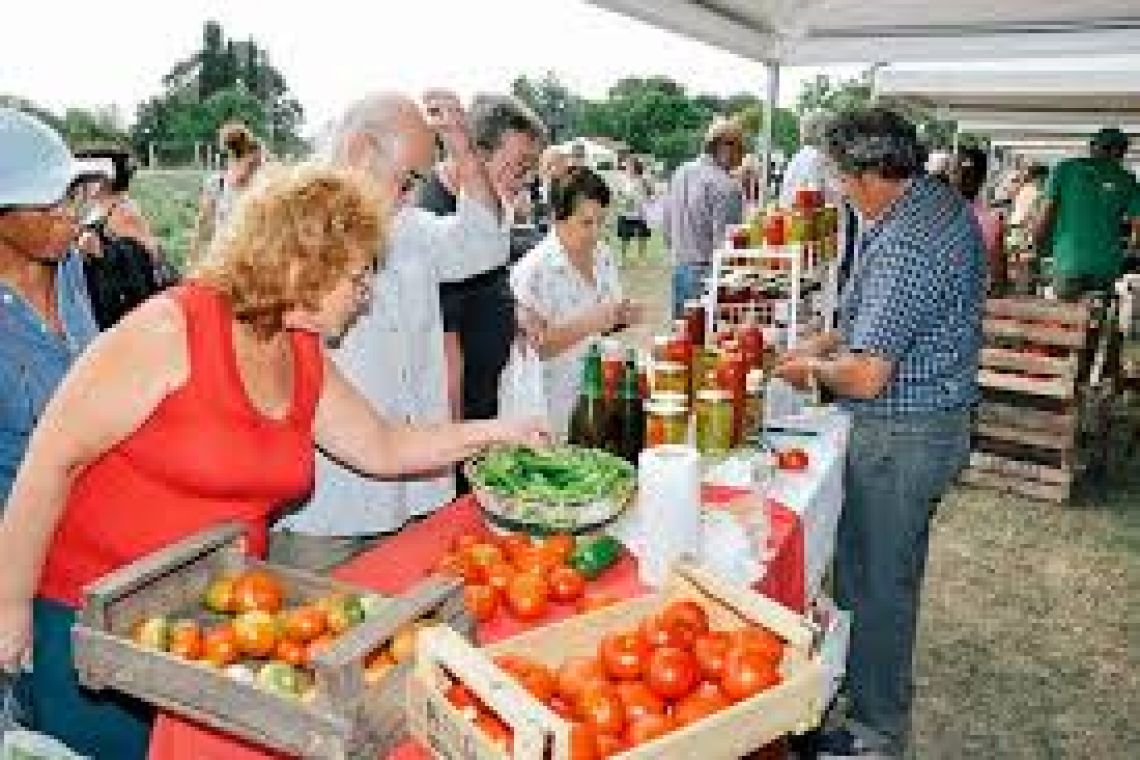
[(522, 431), (631, 312), (15, 635)]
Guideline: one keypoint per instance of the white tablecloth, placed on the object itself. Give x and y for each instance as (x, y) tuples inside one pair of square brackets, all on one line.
[(816, 494)]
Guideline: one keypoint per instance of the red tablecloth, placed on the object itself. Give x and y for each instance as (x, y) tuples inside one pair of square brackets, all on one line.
[(405, 559)]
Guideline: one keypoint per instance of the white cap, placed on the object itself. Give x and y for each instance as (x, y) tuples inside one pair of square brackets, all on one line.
[(36, 168)]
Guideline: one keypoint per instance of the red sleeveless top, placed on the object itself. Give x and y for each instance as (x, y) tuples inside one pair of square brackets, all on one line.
[(205, 455)]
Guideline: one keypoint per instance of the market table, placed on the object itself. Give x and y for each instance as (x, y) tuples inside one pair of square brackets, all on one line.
[(412, 554)]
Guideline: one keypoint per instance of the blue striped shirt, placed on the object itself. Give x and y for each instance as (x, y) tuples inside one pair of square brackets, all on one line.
[(915, 297)]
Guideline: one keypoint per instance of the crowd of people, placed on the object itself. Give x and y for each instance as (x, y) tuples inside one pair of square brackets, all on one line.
[(336, 344)]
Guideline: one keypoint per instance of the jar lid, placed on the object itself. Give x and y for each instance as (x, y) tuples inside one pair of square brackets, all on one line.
[(666, 407), (662, 340), (714, 394), (670, 367), (754, 380)]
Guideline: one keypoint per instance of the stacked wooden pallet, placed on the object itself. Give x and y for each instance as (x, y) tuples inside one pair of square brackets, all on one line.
[(1028, 427)]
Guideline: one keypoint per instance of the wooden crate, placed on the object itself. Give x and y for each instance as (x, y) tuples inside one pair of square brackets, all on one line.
[(1027, 430), (794, 706), (346, 718)]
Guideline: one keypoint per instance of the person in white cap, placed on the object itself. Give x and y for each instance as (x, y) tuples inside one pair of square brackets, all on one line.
[(45, 313)]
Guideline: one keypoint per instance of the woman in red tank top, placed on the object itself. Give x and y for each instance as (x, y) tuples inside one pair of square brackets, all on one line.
[(201, 406)]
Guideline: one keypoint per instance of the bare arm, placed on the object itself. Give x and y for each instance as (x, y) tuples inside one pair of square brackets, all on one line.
[(349, 430), (446, 116), (107, 395)]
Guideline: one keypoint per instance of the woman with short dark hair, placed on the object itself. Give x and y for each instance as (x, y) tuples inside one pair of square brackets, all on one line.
[(570, 281)]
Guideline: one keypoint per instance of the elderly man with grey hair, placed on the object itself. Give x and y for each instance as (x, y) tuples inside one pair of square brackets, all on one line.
[(808, 168), (394, 354), (479, 313)]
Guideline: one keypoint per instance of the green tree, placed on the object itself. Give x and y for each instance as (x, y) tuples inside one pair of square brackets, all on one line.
[(786, 130), (225, 79), (560, 109)]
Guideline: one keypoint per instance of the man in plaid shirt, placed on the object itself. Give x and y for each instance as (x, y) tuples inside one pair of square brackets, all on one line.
[(904, 363)]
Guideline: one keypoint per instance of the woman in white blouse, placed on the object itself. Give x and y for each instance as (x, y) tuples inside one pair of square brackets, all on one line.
[(570, 282)]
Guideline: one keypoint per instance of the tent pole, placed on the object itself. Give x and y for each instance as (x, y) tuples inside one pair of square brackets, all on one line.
[(768, 138)]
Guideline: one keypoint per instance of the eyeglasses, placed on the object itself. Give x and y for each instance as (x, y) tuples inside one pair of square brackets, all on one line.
[(412, 179), (362, 280)]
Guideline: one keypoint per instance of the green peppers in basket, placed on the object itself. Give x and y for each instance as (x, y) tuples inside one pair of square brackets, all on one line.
[(593, 555)]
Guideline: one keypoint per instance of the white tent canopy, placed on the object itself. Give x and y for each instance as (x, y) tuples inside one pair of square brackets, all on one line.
[(821, 32), (1076, 100)]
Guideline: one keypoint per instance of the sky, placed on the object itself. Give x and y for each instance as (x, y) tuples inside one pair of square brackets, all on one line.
[(69, 53)]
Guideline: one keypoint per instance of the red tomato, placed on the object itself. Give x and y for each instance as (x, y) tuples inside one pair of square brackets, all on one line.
[(256, 633), (792, 460), (758, 640), (689, 615), (601, 709), (460, 566), (258, 590), (710, 650), (221, 646), (583, 742), (496, 730), (559, 546), (481, 601), (534, 560), (638, 699), (624, 655), (499, 577), (747, 674), (576, 673), (527, 595), (465, 541), (672, 672), (291, 651), (513, 544), (704, 701), (566, 584), (306, 623), (484, 555), (186, 640), (660, 632), (648, 727)]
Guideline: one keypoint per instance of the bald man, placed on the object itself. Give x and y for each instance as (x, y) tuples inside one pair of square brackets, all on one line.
[(703, 199), (395, 353)]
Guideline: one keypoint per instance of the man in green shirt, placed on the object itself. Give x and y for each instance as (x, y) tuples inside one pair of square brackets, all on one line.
[(1087, 202)]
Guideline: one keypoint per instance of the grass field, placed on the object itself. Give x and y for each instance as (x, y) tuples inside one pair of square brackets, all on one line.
[(1030, 630)]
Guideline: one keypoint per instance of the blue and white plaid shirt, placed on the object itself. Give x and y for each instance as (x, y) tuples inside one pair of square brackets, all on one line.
[(915, 297)]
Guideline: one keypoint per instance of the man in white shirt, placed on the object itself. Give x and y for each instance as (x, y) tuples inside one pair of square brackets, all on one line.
[(808, 167), (395, 353)]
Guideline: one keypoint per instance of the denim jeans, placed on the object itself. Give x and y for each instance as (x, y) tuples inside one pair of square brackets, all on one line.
[(688, 282), (897, 470)]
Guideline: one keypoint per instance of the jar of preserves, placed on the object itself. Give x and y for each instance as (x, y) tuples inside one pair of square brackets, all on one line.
[(670, 377), (695, 323), (774, 228), (666, 420), (714, 421), (754, 403), (799, 227)]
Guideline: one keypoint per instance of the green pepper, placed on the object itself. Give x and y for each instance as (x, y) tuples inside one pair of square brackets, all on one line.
[(592, 556)]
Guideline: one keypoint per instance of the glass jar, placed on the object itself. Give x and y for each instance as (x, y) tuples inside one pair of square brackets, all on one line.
[(695, 322), (774, 228), (754, 386), (661, 347), (670, 377), (714, 421), (799, 227), (666, 420)]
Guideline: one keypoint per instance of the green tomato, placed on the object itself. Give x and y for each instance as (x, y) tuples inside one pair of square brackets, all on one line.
[(280, 678)]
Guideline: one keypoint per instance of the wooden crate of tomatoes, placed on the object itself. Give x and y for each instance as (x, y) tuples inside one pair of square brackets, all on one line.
[(702, 669), (290, 660)]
